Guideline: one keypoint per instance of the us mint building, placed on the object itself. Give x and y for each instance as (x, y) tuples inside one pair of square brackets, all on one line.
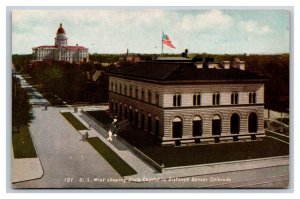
[(182, 101)]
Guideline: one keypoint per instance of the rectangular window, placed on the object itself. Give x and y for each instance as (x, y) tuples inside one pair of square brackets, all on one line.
[(199, 100), (130, 91), (149, 97), (157, 99), (178, 100), (143, 95), (136, 93)]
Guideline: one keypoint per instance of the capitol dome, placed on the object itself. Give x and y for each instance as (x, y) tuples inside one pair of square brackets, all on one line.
[(60, 30)]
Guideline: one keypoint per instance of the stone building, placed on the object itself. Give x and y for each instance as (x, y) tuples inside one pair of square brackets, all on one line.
[(60, 51), (183, 101)]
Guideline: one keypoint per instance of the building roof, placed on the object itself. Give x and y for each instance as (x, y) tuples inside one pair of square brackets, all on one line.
[(60, 29), (65, 47), (183, 72), (172, 59)]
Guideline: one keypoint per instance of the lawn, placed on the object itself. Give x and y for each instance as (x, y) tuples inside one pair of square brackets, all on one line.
[(102, 117), (22, 144), (74, 121), (172, 156), (111, 157)]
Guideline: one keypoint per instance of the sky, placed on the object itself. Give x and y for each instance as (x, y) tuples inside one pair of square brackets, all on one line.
[(219, 31)]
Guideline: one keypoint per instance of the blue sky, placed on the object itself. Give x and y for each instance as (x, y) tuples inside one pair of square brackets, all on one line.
[(114, 30)]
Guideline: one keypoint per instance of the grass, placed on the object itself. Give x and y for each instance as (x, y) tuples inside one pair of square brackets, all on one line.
[(74, 121), (111, 157), (172, 156), (102, 117), (22, 144)]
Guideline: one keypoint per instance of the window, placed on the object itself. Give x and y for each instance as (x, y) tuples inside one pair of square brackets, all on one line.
[(177, 99), (157, 98), (143, 95), (125, 90), (136, 93), (120, 89), (235, 98), (112, 86), (130, 91), (196, 99), (149, 96), (252, 97), (216, 98)]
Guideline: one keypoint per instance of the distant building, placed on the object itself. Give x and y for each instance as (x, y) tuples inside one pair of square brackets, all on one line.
[(179, 100), (60, 51)]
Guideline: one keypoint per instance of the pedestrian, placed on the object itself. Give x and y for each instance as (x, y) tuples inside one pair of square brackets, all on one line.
[(85, 136), (46, 106), (109, 135)]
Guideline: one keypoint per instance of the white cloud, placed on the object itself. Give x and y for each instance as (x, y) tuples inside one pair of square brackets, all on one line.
[(207, 21), (254, 27)]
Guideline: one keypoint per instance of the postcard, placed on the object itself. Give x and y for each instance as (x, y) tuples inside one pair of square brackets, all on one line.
[(150, 98)]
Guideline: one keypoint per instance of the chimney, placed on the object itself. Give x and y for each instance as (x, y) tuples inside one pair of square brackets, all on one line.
[(237, 63), (225, 64)]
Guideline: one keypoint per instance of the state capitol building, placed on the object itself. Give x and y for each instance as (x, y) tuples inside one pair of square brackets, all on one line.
[(60, 51)]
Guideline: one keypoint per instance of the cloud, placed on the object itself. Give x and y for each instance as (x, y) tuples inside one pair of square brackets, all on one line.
[(253, 27), (207, 21)]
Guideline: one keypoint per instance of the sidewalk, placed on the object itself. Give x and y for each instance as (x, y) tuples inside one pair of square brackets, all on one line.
[(26, 169), (145, 171)]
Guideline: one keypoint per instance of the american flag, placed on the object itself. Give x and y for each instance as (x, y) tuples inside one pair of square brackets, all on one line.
[(167, 40)]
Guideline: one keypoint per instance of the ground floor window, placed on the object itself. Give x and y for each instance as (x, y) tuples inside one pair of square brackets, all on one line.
[(216, 127), (131, 116), (142, 121), (197, 128), (149, 123), (121, 111), (235, 125), (156, 127), (136, 122), (125, 113), (177, 129), (252, 124)]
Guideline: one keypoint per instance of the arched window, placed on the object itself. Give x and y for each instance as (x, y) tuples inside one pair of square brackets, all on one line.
[(136, 117), (216, 127), (252, 97), (253, 124), (121, 111), (149, 123), (197, 128), (234, 98), (235, 125), (216, 98), (156, 127), (125, 112), (177, 129), (149, 96), (197, 99), (177, 99)]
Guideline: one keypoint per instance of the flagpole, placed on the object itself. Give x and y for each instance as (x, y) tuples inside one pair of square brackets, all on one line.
[(162, 45)]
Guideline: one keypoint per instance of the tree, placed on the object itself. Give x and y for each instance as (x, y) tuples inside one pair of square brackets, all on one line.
[(21, 109)]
